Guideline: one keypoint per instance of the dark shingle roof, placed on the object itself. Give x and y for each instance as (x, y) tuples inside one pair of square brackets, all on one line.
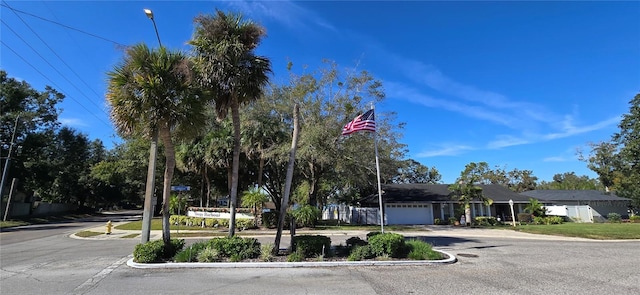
[(419, 192), (572, 195)]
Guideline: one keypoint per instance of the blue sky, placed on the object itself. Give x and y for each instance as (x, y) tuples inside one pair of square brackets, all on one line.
[(515, 84)]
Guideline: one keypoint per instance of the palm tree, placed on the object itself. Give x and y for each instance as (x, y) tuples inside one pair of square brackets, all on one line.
[(231, 73), (151, 94), (465, 193), (535, 208), (253, 198)]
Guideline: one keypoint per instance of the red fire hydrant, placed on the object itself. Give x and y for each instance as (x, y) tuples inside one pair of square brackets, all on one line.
[(109, 226)]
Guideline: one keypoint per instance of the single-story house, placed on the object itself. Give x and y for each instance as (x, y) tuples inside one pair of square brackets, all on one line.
[(598, 204), (423, 203)]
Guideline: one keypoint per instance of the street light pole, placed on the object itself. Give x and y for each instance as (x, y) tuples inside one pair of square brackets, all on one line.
[(149, 14), (151, 172), (513, 216)]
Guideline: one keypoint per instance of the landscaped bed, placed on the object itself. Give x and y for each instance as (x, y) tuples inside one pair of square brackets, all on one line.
[(377, 249)]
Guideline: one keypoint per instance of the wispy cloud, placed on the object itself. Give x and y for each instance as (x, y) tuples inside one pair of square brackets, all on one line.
[(287, 13), (555, 159), (411, 94), (531, 122), (568, 129), (506, 141), (445, 150), (73, 122)]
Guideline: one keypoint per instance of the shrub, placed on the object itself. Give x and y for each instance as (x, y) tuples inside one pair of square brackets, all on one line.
[(452, 220), (149, 252), (245, 248), (419, 250), (387, 243), (156, 251), (553, 220), (174, 219), (614, 217), (311, 245), (634, 218), (360, 253), (175, 246), (209, 254), (525, 217), (486, 220), (223, 222), (355, 241), (210, 222), (296, 256), (270, 219), (244, 223), (183, 219), (190, 254), (306, 215), (266, 252), (371, 234), (196, 221), (538, 220)]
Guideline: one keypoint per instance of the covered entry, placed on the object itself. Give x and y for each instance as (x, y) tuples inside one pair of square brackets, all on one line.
[(409, 214)]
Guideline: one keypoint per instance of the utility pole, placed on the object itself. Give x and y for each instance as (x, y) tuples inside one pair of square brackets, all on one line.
[(5, 172)]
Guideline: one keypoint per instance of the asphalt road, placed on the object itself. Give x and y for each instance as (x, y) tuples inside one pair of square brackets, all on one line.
[(47, 261)]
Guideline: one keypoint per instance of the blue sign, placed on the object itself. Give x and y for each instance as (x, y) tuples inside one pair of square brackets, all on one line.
[(180, 188)]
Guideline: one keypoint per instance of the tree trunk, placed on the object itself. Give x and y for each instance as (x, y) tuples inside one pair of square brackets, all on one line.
[(467, 213), (170, 164), (289, 178), (206, 177), (260, 170), (235, 166), (313, 186), (202, 194)]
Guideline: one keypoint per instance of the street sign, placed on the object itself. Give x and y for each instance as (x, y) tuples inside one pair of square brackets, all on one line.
[(180, 188)]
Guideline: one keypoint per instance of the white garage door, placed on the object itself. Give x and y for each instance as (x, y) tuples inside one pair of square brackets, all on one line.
[(409, 214)]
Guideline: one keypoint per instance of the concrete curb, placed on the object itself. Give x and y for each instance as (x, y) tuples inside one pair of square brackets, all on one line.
[(450, 260)]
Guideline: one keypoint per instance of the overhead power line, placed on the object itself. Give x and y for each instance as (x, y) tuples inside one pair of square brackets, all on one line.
[(52, 83), (62, 25), (52, 66)]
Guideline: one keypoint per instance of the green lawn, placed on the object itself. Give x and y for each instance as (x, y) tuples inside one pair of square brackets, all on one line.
[(156, 224), (87, 234), (599, 231)]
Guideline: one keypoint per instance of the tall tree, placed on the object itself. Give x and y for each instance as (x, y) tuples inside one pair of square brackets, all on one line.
[(466, 188), (628, 140), (413, 171), (521, 180), (31, 116), (603, 160), (150, 92), (571, 181), (231, 72)]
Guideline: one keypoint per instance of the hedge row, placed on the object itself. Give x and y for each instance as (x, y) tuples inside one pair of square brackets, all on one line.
[(378, 246), (209, 222)]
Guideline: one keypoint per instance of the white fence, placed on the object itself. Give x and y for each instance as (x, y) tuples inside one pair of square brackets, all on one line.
[(351, 215), (577, 213)]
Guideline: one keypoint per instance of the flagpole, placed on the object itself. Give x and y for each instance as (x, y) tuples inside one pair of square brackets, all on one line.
[(375, 143)]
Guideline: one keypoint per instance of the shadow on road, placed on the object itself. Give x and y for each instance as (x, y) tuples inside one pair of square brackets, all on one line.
[(439, 241)]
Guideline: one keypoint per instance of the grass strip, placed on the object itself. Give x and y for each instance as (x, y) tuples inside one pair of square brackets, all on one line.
[(598, 231), (87, 234)]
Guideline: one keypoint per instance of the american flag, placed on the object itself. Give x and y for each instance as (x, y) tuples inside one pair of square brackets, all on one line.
[(364, 122)]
